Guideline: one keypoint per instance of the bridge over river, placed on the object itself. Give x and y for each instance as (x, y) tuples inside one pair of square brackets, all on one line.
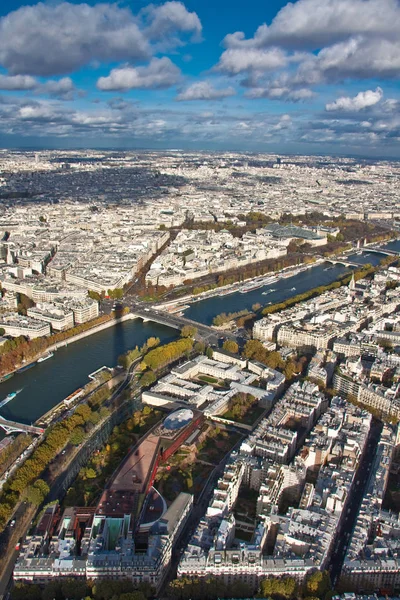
[(13, 426), (205, 332)]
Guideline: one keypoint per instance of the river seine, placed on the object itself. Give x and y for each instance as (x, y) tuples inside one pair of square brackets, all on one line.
[(46, 384)]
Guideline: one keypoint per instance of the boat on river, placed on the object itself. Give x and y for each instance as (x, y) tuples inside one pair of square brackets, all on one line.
[(45, 357), (26, 367), (8, 398), (5, 377), (250, 287)]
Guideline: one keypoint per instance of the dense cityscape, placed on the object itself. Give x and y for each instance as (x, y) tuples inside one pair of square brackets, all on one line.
[(254, 450)]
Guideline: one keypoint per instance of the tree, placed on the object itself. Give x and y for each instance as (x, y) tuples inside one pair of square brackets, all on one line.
[(116, 294), (147, 378), (73, 589), (199, 347), (230, 346), (107, 589), (158, 357), (284, 587), (209, 352), (24, 303), (94, 418), (36, 493), (289, 369), (152, 342), (136, 595), (90, 473), (188, 331), (83, 411), (24, 591), (318, 584), (94, 295), (52, 591), (104, 412), (77, 436)]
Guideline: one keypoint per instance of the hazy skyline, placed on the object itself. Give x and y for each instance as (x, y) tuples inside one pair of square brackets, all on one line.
[(314, 76)]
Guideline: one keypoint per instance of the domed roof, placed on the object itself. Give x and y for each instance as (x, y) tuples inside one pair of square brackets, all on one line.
[(178, 419)]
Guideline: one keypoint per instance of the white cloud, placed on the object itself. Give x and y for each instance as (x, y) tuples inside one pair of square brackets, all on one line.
[(57, 38), (63, 88), (360, 58), (204, 90), (276, 92), (238, 60), (168, 18), (317, 23), (17, 82), (358, 102), (159, 73), (331, 40)]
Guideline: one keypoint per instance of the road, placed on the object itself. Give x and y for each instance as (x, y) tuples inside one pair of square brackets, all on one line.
[(356, 495), (151, 313), (207, 333), (8, 540), (10, 536)]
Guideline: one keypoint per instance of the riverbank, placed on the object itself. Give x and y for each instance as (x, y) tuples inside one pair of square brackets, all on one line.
[(236, 286), (51, 381), (62, 344)]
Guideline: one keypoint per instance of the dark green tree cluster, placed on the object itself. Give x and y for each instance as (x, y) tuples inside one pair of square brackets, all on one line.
[(239, 404), (13, 451), (147, 378), (98, 397), (95, 295), (91, 479), (285, 587), (188, 331), (116, 294), (255, 350), (24, 303), (208, 588), (75, 589), (316, 587), (226, 317), (37, 492), (22, 483), (159, 357), (125, 360), (366, 271), (230, 346)]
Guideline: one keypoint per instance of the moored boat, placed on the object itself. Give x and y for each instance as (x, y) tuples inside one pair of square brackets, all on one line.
[(45, 357)]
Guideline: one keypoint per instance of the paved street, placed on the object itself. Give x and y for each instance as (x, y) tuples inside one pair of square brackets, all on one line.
[(358, 490)]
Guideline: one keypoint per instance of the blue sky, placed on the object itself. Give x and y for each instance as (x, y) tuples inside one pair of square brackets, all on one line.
[(312, 76)]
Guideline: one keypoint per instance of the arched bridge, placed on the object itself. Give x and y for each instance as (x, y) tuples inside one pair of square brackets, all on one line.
[(12, 426), (177, 322)]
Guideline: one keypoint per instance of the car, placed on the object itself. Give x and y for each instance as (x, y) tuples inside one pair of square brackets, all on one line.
[(17, 546), (12, 523)]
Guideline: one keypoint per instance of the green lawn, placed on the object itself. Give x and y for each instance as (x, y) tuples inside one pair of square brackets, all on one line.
[(208, 379)]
